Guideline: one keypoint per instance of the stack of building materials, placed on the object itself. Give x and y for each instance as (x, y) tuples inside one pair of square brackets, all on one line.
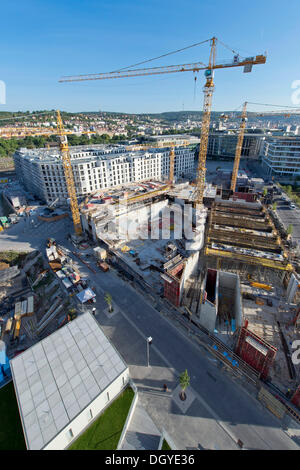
[(9, 273), (49, 315)]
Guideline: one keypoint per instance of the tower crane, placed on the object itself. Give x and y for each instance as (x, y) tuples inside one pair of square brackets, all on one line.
[(172, 164), (209, 68), (238, 149), (66, 160)]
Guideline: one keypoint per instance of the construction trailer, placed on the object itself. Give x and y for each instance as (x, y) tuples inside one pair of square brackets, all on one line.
[(255, 351)]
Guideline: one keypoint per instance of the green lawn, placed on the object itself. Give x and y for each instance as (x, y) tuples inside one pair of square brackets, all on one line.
[(105, 432), (165, 445), (11, 433)]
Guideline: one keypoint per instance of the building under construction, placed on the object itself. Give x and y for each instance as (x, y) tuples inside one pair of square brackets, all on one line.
[(244, 233)]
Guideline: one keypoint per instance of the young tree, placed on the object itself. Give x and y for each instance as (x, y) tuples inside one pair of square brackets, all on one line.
[(184, 381), (289, 230), (108, 300)]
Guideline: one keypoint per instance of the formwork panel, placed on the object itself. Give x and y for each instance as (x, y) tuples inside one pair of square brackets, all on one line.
[(296, 398), (256, 352)]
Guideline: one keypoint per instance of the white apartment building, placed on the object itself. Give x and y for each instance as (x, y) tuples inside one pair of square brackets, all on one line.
[(97, 167), (281, 156)]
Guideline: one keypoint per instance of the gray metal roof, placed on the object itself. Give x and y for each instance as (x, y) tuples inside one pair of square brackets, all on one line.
[(61, 375)]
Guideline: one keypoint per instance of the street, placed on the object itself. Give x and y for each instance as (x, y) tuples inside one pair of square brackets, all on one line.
[(289, 216)]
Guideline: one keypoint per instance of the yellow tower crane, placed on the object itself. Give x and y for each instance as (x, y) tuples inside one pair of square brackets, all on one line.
[(238, 149), (66, 160), (208, 93), (209, 68), (172, 164)]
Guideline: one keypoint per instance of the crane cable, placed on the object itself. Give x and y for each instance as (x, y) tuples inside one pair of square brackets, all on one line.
[(274, 105), (147, 60)]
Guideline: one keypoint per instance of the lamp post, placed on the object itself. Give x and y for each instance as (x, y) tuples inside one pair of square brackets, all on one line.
[(149, 342)]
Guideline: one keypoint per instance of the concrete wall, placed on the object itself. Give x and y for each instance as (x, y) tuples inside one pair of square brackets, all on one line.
[(208, 309), (84, 419), (292, 288), (191, 266), (208, 315), (132, 224), (241, 202)]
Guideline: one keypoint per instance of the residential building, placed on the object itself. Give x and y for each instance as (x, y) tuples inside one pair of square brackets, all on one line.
[(97, 167)]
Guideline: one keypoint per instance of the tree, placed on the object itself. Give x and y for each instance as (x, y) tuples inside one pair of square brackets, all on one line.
[(184, 381), (265, 191), (108, 300), (274, 207), (289, 230)]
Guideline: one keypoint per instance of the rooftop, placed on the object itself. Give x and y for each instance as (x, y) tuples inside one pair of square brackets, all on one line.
[(61, 375)]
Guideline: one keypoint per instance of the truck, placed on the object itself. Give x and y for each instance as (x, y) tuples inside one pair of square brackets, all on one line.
[(103, 266)]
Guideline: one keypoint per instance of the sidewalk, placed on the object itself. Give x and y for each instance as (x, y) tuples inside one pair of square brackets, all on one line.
[(142, 433), (184, 421)]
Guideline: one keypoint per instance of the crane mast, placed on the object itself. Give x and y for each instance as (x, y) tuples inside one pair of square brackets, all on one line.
[(208, 94), (66, 159), (238, 149), (172, 164)]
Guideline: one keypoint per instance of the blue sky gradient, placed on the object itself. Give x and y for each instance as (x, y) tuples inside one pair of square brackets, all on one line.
[(43, 40)]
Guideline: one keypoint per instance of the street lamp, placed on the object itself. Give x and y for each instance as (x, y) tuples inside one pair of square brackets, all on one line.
[(149, 342)]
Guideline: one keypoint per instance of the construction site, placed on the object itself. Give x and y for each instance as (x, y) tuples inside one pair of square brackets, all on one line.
[(213, 253), (234, 270), (40, 293)]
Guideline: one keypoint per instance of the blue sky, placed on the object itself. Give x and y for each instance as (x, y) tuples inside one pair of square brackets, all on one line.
[(43, 40)]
